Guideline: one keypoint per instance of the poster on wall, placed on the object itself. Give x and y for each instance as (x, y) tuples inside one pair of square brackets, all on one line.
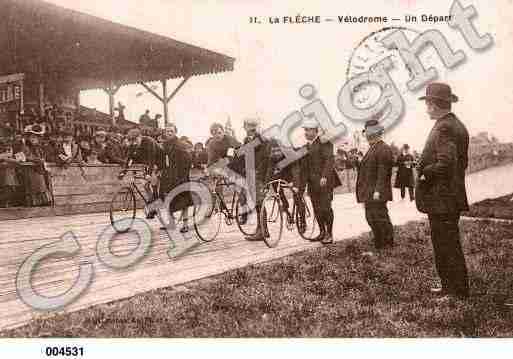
[(11, 95)]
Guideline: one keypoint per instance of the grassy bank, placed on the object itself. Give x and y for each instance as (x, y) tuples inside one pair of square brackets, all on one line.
[(501, 207), (325, 292)]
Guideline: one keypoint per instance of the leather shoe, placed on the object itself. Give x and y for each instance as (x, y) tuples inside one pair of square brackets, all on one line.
[(328, 239), (255, 237)]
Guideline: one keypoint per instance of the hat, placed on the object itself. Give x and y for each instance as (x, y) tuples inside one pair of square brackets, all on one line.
[(35, 130), (406, 146), (373, 127), (252, 121), (439, 91), (101, 132), (310, 123), (134, 132)]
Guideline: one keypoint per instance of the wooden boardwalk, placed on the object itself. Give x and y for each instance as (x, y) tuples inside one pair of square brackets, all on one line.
[(191, 259)]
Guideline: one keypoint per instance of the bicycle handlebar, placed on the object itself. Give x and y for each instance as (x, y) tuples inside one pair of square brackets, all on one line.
[(134, 171)]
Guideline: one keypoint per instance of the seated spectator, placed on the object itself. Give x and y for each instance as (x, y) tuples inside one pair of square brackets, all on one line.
[(113, 151), (85, 147), (92, 159), (99, 141), (68, 151), (8, 179), (51, 147)]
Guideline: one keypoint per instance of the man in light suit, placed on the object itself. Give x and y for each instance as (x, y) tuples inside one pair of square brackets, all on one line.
[(374, 185)]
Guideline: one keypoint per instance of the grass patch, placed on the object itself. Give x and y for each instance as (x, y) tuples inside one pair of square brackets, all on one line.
[(501, 207), (326, 292)]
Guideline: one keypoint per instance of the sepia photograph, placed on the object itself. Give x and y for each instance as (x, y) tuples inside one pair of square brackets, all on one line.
[(254, 169)]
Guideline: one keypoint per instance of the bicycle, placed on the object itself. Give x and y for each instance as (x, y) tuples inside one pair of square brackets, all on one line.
[(301, 217), (236, 212), (124, 205)]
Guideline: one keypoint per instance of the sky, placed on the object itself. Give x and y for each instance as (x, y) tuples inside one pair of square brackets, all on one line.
[(274, 60)]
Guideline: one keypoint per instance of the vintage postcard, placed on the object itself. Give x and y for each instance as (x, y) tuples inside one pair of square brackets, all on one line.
[(254, 169)]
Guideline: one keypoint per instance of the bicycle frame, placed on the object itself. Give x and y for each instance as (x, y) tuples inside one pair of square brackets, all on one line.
[(228, 212)]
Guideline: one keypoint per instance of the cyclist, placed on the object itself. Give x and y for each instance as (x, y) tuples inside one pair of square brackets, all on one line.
[(218, 147), (219, 144), (145, 150)]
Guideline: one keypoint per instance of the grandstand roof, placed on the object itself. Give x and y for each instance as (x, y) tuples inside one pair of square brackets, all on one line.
[(42, 38)]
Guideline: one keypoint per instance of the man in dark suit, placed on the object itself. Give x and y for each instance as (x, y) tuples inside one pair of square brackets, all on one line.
[(374, 185), (262, 169), (441, 189), (321, 179), (404, 176), (176, 166)]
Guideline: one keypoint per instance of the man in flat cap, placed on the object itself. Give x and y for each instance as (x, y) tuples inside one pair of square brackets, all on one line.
[(374, 184), (441, 189), (321, 178)]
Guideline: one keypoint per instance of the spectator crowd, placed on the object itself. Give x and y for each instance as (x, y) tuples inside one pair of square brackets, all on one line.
[(26, 148)]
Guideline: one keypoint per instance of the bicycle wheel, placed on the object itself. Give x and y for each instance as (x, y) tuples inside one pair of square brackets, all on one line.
[(271, 220), (122, 210), (306, 224), (207, 221), (246, 218)]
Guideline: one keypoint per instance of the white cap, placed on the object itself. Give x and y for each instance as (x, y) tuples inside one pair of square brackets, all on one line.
[(310, 123)]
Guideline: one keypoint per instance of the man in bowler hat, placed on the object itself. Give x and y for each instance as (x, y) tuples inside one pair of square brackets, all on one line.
[(441, 189), (374, 185)]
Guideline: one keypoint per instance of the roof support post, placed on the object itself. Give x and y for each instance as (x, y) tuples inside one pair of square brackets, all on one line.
[(111, 91), (164, 99), (165, 102), (41, 99), (168, 98)]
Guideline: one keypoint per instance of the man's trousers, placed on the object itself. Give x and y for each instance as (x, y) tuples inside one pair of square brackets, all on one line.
[(448, 253), (376, 213)]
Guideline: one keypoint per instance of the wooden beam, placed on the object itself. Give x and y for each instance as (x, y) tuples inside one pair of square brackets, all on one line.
[(165, 103), (177, 89), (150, 90), (111, 91)]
